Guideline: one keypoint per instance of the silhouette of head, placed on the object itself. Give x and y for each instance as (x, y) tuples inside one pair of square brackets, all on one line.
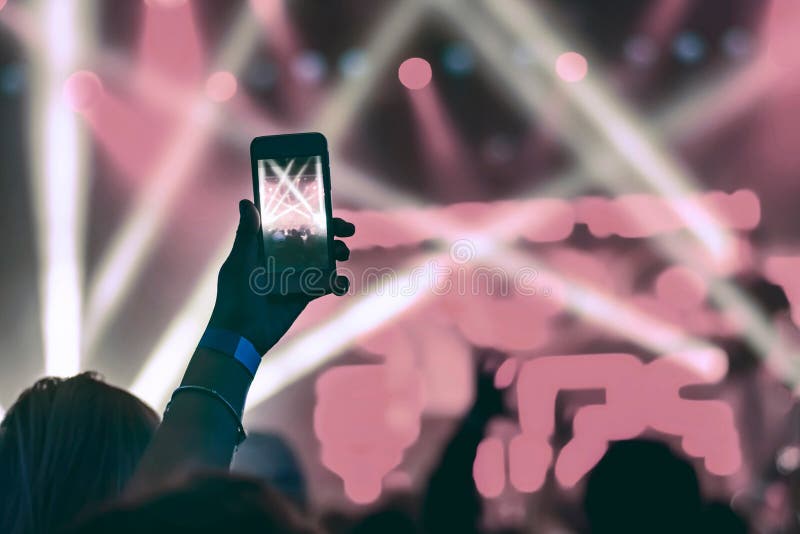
[(67, 444), (642, 486), (207, 503), (719, 517), (270, 458), (386, 521)]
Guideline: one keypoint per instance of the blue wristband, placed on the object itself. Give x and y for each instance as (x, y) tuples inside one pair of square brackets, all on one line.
[(233, 345)]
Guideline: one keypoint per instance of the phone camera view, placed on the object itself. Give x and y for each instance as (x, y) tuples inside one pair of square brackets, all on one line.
[(293, 217)]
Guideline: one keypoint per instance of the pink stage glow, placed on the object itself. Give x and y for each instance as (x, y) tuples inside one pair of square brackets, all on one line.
[(637, 216), (415, 73), (135, 128), (391, 228), (681, 288), (365, 417), (221, 86), (170, 45), (740, 210), (131, 133), (571, 67), (82, 90), (638, 396), (430, 344)]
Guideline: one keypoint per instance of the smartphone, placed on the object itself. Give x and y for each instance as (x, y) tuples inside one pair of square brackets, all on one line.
[(292, 190)]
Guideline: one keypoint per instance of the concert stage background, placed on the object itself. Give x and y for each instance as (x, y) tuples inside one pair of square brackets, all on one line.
[(596, 184)]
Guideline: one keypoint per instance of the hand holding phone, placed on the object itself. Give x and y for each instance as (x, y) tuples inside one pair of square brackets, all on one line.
[(241, 305), (291, 186)]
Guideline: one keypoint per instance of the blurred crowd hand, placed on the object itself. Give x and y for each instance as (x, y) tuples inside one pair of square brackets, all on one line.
[(489, 400), (262, 319)]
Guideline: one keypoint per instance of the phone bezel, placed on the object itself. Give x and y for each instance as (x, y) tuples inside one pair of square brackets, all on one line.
[(288, 145)]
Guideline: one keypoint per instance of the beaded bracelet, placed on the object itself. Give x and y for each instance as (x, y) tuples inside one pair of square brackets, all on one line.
[(241, 435)]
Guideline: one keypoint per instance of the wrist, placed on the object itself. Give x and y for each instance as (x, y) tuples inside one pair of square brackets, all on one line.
[(233, 344)]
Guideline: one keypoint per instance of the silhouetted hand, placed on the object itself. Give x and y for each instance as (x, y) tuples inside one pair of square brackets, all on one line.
[(489, 401), (262, 319)]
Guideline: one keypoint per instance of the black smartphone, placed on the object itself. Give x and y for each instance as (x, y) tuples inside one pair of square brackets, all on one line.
[(292, 189)]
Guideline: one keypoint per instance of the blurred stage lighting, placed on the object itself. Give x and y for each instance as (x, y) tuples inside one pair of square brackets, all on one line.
[(262, 76), (221, 86), (415, 73), (310, 67), (571, 67), (498, 149), (737, 43), (689, 47), (353, 63), (640, 50), (12, 78), (458, 59), (82, 89)]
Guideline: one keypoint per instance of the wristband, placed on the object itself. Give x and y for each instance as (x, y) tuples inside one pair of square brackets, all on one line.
[(240, 433), (233, 345)]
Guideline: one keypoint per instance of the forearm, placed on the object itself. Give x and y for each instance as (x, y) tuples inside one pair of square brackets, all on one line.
[(198, 430)]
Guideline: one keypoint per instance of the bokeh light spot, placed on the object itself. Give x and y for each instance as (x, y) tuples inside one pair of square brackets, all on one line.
[(82, 90), (353, 63), (415, 73), (571, 67), (689, 47), (458, 59), (221, 86), (310, 67)]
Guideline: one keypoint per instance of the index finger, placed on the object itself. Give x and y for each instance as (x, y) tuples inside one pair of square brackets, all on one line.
[(342, 228)]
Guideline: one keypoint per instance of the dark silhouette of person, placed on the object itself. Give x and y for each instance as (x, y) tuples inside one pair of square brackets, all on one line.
[(205, 503), (451, 502), (642, 486), (66, 445), (270, 458)]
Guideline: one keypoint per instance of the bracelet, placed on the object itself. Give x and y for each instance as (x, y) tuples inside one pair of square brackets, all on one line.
[(234, 345), (241, 435)]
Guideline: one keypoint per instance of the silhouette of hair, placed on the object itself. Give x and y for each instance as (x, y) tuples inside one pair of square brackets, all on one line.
[(642, 486), (390, 520), (67, 444), (204, 503)]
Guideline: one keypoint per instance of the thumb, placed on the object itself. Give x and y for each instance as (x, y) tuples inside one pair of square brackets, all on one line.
[(248, 226)]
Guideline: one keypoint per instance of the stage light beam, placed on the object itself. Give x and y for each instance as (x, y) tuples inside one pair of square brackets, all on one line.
[(59, 184)]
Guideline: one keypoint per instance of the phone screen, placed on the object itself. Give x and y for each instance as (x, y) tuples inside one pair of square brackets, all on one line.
[(293, 218)]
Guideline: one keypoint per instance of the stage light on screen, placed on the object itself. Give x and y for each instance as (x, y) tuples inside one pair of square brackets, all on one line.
[(571, 67), (221, 86), (415, 73), (82, 89)]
